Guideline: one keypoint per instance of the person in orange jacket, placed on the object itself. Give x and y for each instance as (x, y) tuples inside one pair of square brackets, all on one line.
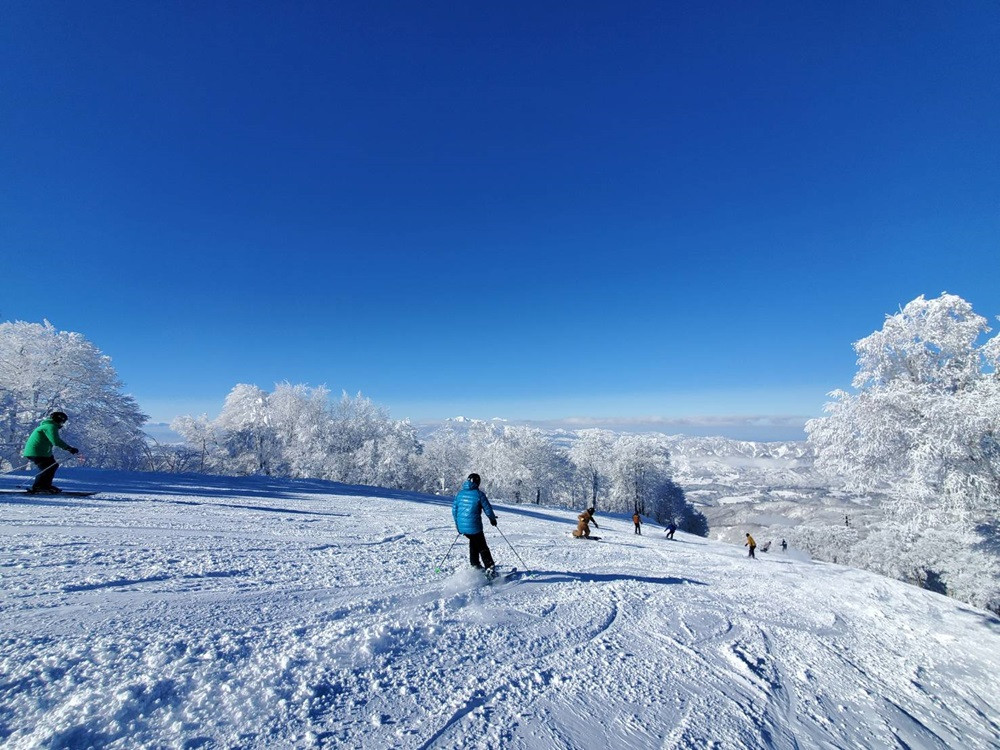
[(637, 520), (751, 544), (583, 522)]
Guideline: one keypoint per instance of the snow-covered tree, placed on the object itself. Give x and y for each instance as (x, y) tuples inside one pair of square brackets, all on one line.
[(300, 421), (247, 433), (591, 454), (387, 457), (295, 431), (518, 464), (444, 457), (641, 480), (639, 465), (203, 445), (922, 427), (528, 466), (367, 447), (41, 370), (492, 455)]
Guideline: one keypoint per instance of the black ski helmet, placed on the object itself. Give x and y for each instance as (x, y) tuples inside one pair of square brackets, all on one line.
[(58, 416), (474, 478)]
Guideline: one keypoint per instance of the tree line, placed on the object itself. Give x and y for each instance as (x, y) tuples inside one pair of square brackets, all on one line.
[(299, 431)]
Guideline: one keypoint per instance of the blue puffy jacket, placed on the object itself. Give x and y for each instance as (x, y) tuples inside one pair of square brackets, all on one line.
[(468, 507)]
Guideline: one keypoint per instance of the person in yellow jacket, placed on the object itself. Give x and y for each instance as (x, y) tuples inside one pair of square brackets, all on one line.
[(583, 522), (637, 520), (751, 544)]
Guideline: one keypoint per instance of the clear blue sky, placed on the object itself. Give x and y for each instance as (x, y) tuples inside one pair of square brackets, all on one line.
[(529, 210)]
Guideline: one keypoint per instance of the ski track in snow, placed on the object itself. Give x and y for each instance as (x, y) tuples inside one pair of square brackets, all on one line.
[(211, 612)]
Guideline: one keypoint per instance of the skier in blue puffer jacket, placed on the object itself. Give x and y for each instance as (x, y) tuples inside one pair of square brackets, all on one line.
[(467, 510)]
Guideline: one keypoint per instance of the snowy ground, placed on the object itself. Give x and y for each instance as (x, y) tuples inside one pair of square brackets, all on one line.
[(206, 612)]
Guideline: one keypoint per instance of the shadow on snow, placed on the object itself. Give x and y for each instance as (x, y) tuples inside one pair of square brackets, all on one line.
[(562, 576), (217, 486)]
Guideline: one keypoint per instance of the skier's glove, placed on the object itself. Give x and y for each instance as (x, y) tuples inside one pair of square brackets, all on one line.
[(74, 451), (493, 522)]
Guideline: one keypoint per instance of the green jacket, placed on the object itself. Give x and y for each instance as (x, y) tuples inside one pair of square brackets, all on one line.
[(42, 439)]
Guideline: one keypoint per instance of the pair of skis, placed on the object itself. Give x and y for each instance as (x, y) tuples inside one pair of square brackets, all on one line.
[(68, 493)]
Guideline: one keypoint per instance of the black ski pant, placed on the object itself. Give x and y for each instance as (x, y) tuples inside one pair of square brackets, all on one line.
[(46, 470), (638, 530), (479, 550)]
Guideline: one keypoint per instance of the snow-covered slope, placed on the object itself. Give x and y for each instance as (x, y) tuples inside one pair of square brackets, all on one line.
[(187, 611)]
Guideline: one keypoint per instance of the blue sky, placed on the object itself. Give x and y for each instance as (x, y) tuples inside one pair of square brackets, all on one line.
[(527, 210)]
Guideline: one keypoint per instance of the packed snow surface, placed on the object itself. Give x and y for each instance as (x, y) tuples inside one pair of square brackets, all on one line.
[(208, 612)]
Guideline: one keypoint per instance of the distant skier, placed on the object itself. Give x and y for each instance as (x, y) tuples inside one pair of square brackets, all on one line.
[(671, 529), (784, 545), (583, 522), (751, 544), (766, 546), (637, 520), (467, 509), (38, 450)]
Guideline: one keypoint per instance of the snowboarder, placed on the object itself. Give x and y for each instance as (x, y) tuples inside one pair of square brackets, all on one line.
[(467, 509), (784, 545), (751, 544), (38, 450), (583, 522), (637, 520), (671, 529), (766, 546)]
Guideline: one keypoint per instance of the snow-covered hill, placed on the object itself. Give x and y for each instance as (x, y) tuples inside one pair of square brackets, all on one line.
[(192, 611)]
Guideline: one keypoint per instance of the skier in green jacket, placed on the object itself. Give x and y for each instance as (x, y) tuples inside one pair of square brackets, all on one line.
[(38, 450)]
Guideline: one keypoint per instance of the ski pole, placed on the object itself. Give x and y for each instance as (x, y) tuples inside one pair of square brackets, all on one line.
[(51, 467), (16, 468), (437, 568), (512, 549)]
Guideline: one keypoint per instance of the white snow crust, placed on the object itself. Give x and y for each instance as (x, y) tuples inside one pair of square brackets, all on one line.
[(209, 612)]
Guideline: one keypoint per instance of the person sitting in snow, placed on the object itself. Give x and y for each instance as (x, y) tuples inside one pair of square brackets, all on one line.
[(38, 450), (671, 529), (467, 509), (637, 520), (751, 544), (583, 522)]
